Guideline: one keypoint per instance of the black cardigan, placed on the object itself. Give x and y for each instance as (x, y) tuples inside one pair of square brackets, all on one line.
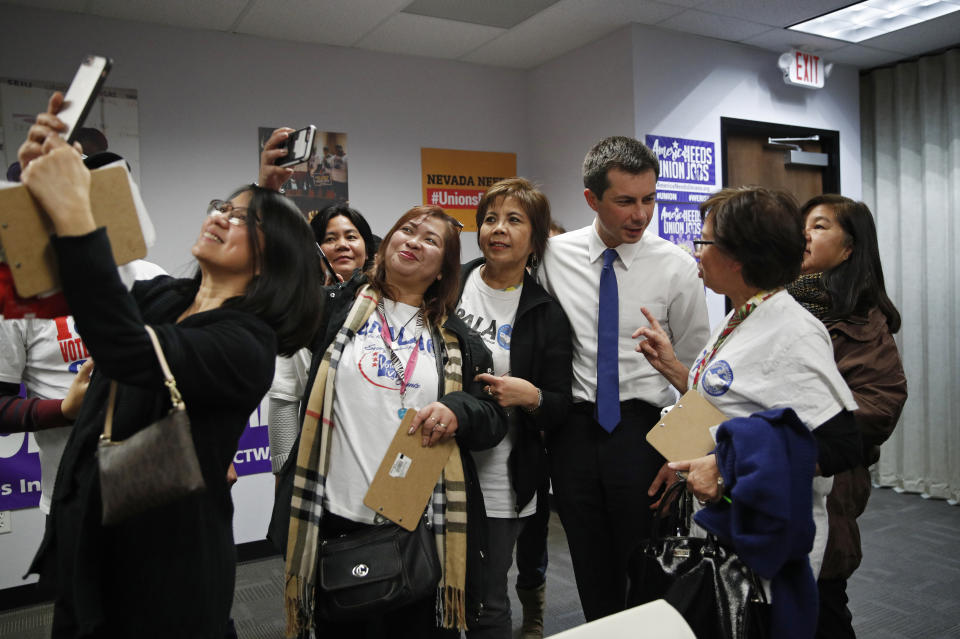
[(481, 424), (169, 571), (541, 353)]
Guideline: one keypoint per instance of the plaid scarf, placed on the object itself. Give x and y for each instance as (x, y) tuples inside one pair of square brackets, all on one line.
[(811, 294), (313, 463)]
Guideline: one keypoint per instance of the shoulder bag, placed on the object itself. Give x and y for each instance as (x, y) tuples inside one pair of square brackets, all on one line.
[(376, 569), (717, 594), (152, 467)]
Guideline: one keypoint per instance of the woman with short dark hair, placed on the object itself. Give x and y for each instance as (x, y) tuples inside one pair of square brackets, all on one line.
[(391, 344), (345, 238), (768, 353), (168, 571), (842, 285), (529, 336)]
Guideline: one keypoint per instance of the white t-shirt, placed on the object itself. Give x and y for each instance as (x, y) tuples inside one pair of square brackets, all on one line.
[(780, 356), (491, 313), (45, 355), (651, 272), (367, 403)]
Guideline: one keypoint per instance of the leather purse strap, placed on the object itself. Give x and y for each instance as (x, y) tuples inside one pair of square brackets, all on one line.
[(175, 398)]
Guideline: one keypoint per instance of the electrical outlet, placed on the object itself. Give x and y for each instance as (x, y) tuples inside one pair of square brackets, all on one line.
[(5, 525)]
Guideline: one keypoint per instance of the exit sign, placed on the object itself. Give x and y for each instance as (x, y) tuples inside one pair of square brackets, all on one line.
[(803, 69)]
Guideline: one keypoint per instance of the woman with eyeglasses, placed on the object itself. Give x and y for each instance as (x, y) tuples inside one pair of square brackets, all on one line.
[(393, 345), (529, 336), (768, 353), (842, 286), (168, 571)]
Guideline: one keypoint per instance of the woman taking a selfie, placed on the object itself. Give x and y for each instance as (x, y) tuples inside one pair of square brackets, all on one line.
[(529, 336), (168, 571), (393, 346), (842, 285)]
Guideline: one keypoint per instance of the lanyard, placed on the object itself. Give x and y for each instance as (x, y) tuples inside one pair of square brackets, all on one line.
[(404, 374)]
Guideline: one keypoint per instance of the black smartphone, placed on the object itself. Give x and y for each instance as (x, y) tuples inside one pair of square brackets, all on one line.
[(82, 93), (300, 147)]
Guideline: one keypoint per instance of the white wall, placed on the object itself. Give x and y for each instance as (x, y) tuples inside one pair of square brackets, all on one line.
[(574, 101)]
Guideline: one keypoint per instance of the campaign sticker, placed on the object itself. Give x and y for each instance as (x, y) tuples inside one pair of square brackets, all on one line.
[(503, 336), (717, 378), (400, 467)]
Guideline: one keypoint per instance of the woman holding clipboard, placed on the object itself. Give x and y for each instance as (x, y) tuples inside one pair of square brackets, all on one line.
[(391, 345)]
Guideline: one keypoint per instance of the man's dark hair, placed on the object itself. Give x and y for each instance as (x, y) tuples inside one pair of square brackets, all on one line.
[(616, 152)]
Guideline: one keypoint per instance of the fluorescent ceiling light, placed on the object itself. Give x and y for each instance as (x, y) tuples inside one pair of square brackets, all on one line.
[(873, 18)]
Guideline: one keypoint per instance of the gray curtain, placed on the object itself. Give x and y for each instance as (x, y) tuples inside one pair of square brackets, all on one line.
[(910, 124)]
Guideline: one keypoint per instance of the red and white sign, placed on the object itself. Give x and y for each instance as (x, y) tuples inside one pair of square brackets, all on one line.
[(803, 69)]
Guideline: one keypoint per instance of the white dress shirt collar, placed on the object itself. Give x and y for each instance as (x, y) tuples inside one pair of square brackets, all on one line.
[(626, 252)]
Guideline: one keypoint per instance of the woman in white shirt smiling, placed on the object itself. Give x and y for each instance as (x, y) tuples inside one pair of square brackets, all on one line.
[(529, 336)]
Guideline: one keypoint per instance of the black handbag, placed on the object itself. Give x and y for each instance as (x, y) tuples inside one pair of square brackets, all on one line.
[(375, 570), (714, 591), (152, 467)]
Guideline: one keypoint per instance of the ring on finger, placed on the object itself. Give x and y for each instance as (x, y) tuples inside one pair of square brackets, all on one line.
[(440, 426)]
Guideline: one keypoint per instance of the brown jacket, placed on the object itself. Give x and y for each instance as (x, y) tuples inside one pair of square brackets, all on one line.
[(869, 362)]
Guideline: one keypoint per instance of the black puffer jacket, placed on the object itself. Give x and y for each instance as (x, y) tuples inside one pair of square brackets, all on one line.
[(541, 353)]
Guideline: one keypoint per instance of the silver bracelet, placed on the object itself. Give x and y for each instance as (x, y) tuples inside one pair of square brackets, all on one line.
[(531, 411)]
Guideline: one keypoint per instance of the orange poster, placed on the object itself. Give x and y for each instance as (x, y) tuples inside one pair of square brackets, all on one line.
[(455, 180)]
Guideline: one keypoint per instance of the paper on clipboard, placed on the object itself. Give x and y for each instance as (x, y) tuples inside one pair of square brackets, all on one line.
[(684, 432), (25, 232), (405, 479)]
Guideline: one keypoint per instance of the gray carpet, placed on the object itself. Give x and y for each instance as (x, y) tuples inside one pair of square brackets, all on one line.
[(907, 586)]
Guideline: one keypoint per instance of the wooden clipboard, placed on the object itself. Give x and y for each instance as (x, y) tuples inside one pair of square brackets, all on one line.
[(684, 432), (25, 231), (404, 482)]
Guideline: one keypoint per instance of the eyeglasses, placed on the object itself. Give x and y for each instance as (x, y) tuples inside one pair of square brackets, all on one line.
[(699, 244), (236, 215)]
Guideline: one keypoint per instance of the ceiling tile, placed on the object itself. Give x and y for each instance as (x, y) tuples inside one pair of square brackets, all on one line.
[(219, 15), (862, 57), (73, 6), (337, 22), (565, 26), (783, 40), (421, 35), (714, 26), (777, 13), (492, 13)]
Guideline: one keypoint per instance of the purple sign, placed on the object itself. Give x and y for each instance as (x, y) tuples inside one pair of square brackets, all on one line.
[(679, 223), (20, 462), (253, 450), (684, 163), (19, 472)]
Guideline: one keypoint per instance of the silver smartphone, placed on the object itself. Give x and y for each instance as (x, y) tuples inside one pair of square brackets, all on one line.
[(300, 146), (82, 93)]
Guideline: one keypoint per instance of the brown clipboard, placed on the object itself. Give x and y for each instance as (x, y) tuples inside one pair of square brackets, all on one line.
[(25, 231), (684, 432), (404, 482)]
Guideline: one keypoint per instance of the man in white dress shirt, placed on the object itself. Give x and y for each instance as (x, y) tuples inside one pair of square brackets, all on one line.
[(601, 464)]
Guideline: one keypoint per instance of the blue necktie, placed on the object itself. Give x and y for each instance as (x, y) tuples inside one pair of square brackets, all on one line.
[(608, 359)]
